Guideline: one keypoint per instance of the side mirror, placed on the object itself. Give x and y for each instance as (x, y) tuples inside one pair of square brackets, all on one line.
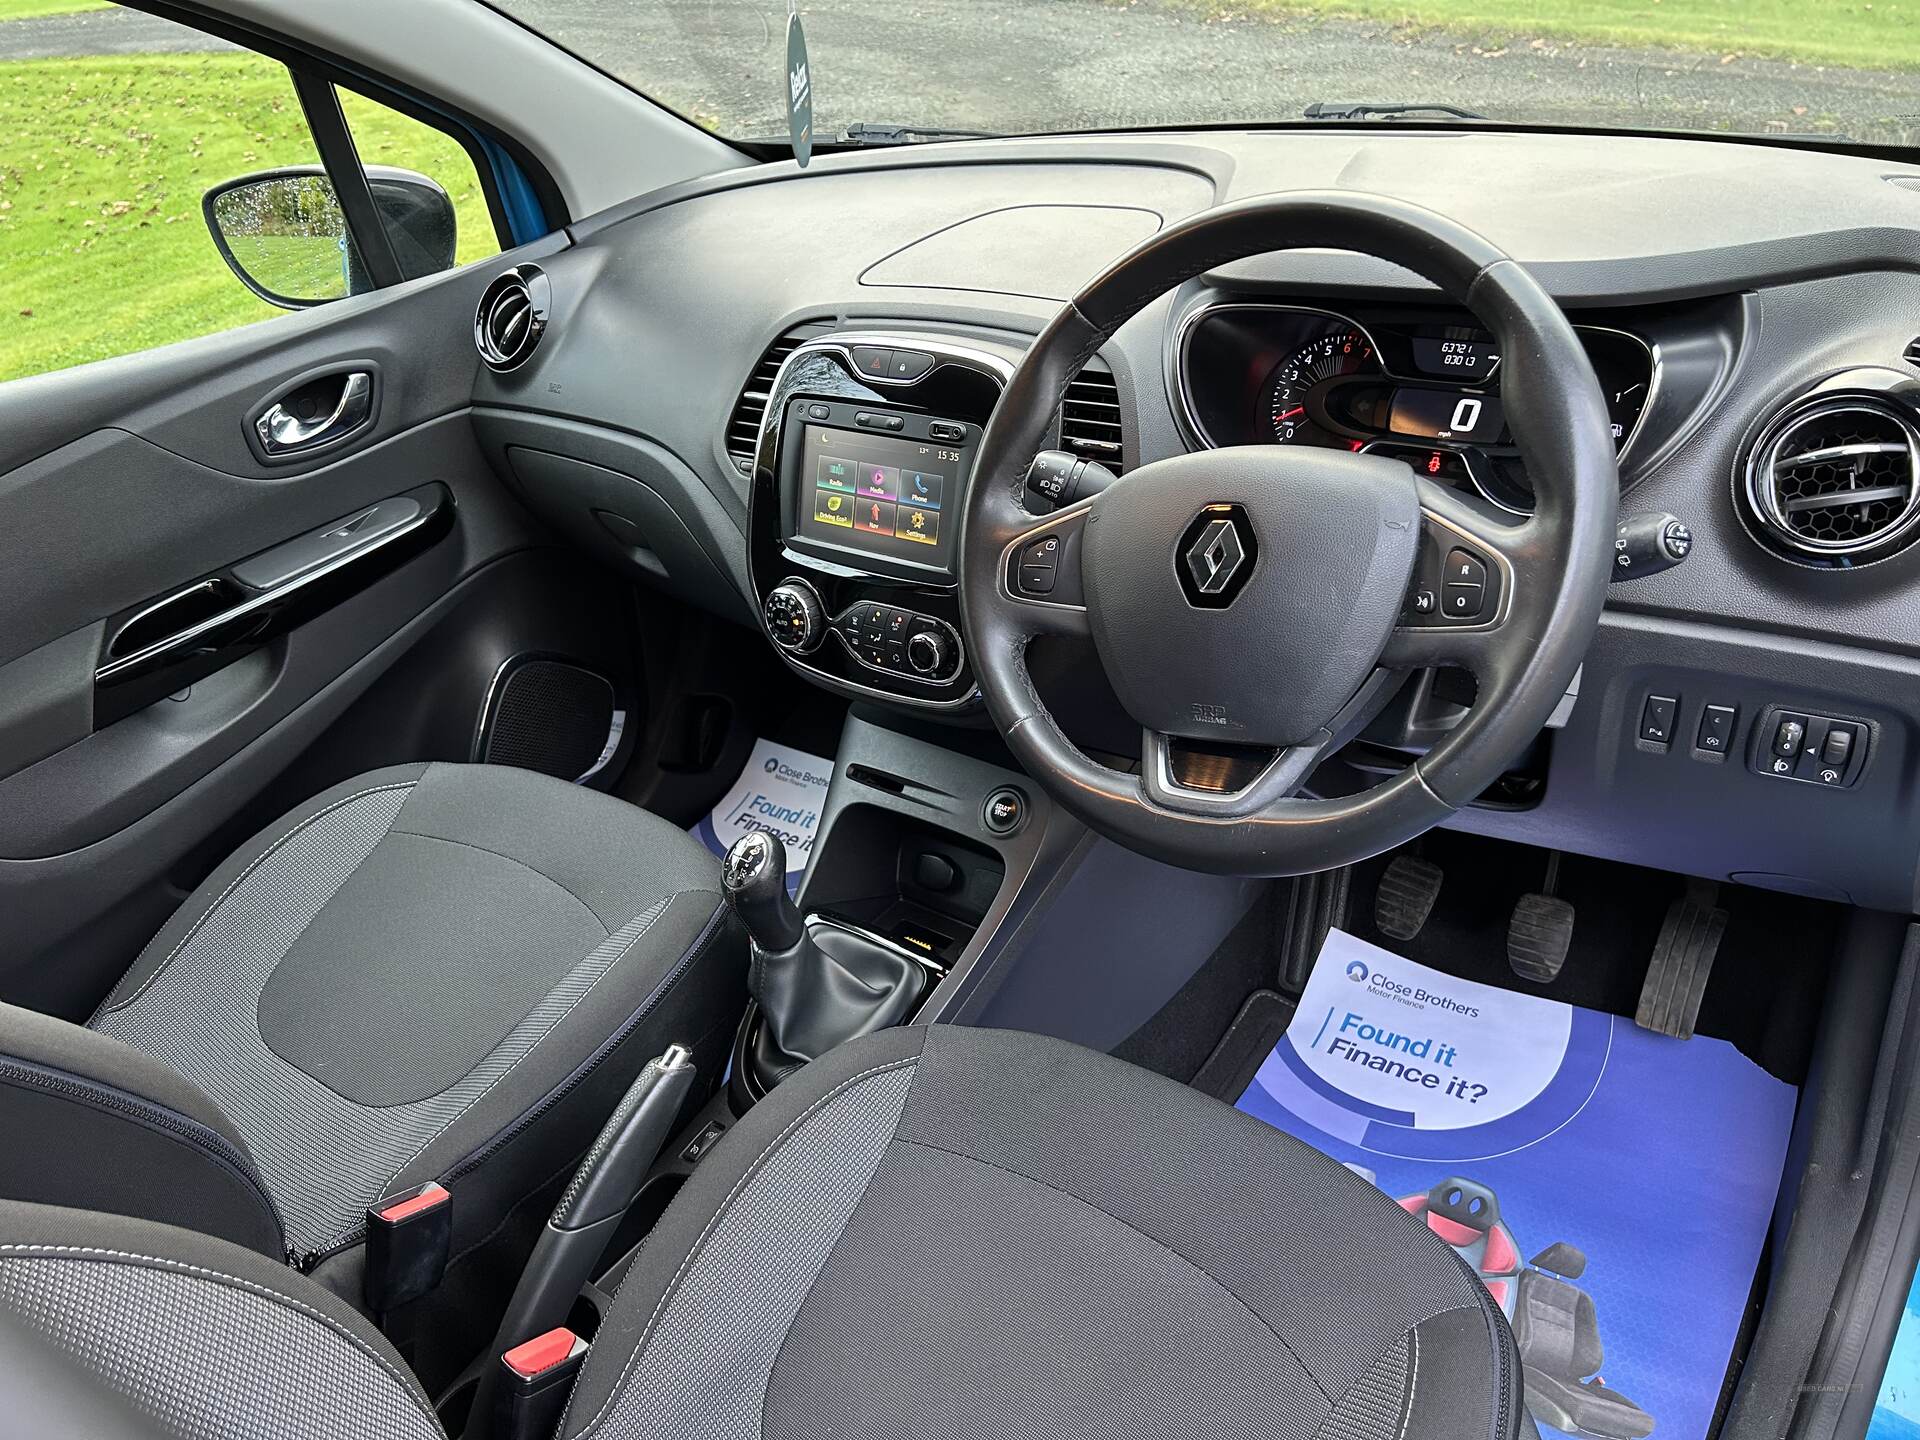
[(284, 234)]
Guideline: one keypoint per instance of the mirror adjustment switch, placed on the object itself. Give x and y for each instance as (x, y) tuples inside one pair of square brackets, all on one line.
[(1656, 721)]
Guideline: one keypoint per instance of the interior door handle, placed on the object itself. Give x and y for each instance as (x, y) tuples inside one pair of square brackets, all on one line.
[(284, 433)]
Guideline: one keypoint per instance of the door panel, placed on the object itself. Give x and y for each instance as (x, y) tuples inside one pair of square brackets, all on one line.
[(124, 483)]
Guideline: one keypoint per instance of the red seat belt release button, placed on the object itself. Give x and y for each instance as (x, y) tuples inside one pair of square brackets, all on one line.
[(409, 1235), (536, 1377)]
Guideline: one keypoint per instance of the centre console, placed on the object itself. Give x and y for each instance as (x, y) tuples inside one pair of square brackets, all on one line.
[(863, 461)]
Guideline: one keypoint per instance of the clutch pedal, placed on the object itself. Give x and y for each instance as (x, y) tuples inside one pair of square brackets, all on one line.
[(1682, 960), (1406, 896), (1541, 930)]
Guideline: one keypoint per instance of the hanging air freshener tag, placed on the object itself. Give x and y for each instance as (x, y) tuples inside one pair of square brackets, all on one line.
[(799, 90)]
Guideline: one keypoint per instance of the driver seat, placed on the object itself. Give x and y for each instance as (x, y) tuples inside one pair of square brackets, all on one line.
[(939, 1232)]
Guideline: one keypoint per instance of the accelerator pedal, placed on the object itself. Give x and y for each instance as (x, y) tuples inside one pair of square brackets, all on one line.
[(1682, 961), (1541, 930), (1406, 896)]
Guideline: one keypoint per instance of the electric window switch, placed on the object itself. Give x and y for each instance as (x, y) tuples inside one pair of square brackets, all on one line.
[(1656, 720)]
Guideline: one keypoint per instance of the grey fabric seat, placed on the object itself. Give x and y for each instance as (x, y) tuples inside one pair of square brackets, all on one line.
[(434, 972), (944, 1233)]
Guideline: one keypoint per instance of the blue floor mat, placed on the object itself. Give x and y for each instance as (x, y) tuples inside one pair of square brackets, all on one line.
[(1611, 1186)]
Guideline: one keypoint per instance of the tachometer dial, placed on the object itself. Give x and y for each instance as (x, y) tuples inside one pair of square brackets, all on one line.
[(1344, 352)]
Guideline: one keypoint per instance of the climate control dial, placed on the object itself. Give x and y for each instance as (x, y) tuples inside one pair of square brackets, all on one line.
[(794, 616), (928, 652)]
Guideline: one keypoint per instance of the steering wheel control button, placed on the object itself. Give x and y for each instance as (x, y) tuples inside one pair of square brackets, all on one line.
[(1464, 602), (1656, 721), (793, 616), (909, 364), (1452, 583), (1037, 562), (873, 360), (1465, 568), (1714, 739), (1005, 811)]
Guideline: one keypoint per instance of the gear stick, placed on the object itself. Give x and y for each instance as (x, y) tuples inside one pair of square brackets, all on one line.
[(817, 983)]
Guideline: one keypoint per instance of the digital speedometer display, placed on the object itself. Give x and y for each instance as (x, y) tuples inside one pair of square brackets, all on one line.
[(1293, 391)]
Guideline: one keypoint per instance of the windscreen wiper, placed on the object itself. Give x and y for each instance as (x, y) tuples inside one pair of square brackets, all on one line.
[(869, 134), (1362, 109)]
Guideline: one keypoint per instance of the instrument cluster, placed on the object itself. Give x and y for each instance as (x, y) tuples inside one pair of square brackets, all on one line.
[(1420, 383)]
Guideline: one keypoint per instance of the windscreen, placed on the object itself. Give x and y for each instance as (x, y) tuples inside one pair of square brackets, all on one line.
[(1825, 69)]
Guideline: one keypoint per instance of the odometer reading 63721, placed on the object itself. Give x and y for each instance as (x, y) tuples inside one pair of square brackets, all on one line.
[(1345, 352)]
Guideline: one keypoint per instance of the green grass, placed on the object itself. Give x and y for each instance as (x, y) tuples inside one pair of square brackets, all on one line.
[(1881, 35), (102, 247), (27, 9)]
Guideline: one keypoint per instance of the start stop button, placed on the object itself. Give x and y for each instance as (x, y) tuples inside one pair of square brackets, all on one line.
[(1005, 811)]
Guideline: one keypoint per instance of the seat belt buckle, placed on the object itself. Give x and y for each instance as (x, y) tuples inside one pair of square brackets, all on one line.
[(536, 1376), (409, 1234)]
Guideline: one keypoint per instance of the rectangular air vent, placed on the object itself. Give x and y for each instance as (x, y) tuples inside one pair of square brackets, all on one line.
[(1912, 355), (743, 424), (1090, 418)]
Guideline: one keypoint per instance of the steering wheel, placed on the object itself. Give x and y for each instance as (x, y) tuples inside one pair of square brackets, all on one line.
[(1250, 605)]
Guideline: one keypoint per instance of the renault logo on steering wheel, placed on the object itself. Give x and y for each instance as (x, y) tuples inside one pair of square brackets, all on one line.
[(1216, 556)]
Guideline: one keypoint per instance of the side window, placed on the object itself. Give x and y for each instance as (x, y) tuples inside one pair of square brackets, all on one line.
[(104, 159), (159, 184), (386, 139)]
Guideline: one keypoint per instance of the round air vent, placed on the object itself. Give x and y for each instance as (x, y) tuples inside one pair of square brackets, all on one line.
[(512, 315), (1834, 480)]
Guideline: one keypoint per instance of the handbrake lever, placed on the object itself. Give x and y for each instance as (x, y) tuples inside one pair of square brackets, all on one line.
[(576, 1235)]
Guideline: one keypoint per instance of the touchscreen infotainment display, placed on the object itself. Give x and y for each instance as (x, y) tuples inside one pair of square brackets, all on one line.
[(883, 495)]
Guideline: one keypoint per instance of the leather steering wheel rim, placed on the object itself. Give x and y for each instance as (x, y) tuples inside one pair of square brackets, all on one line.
[(1557, 561)]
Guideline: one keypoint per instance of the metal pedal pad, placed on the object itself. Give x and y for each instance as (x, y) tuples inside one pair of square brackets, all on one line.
[(1682, 961), (1406, 896), (1539, 936)]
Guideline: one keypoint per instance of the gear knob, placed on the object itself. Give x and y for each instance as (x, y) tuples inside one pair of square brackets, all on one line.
[(754, 877)]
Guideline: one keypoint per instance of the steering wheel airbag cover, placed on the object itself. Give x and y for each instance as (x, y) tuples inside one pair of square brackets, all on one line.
[(1317, 584)]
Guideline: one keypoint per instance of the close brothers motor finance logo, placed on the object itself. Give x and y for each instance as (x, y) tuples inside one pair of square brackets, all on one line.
[(1357, 972)]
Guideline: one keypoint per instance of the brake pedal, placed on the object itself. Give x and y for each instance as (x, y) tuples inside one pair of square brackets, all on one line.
[(1682, 961), (1541, 930), (1406, 896)]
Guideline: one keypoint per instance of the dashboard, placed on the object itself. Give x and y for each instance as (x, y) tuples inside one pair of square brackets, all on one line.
[(1751, 312)]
